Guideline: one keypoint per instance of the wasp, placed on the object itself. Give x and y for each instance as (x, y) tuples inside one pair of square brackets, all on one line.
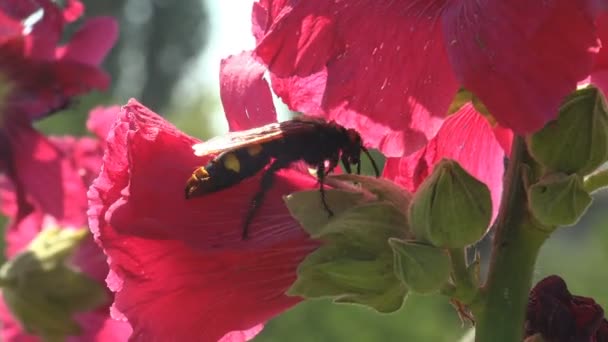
[(240, 155)]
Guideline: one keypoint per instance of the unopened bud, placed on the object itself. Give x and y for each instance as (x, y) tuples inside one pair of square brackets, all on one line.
[(558, 200), (577, 142), (451, 208)]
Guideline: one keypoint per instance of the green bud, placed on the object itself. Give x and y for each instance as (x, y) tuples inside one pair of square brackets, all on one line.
[(44, 293), (423, 268), (451, 208), (577, 142), (558, 199), (354, 264)]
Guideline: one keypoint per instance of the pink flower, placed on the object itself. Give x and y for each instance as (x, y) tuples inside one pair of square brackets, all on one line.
[(178, 267), (63, 182), (390, 69), (40, 77)]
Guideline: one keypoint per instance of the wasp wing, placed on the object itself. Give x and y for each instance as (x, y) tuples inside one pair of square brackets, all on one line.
[(234, 140), (259, 135)]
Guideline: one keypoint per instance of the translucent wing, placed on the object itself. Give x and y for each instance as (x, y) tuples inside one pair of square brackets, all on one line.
[(258, 135), (234, 140)]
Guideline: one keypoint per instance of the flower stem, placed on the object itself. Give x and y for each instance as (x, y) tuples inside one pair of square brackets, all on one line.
[(465, 290), (596, 181), (501, 314)]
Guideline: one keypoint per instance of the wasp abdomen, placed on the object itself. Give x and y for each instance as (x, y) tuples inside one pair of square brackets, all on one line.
[(226, 170)]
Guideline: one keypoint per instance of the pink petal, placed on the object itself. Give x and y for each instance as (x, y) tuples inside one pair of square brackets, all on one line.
[(92, 42), (380, 68), (599, 75), (245, 94), (48, 176), (213, 282), (466, 137), (101, 120), (73, 10), (41, 87), (521, 58)]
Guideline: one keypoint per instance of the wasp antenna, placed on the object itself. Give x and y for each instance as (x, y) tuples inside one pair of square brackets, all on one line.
[(369, 156)]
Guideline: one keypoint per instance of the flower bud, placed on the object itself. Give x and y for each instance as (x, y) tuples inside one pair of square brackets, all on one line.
[(451, 208), (355, 263), (577, 142), (423, 268), (42, 292), (558, 200)]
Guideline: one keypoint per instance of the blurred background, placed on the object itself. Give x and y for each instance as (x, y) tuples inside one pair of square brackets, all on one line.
[(168, 58)]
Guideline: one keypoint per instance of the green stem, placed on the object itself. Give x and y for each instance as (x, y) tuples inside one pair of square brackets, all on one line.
[(500, 316), (464, 289), (596, 181)]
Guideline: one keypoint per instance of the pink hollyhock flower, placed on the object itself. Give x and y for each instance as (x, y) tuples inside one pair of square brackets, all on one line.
[(390, 69), (179, 268), (74, 164), (38, 77), (559, 316)]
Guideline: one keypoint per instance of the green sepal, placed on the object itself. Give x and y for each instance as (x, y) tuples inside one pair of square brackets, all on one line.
[(558, 199), (306, 207), (43, 292), (577, 142), (354, 263), (451, 208), (423, 268)]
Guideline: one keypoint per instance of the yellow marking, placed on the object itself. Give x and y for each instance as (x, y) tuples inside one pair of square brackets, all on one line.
[(231, 162), (201, 172), (254, 150)]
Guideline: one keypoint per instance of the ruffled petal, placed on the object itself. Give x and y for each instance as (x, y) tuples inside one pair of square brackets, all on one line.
[(214, 284)]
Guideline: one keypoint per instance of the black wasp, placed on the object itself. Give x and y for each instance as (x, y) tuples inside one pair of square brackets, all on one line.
[(241, 155)]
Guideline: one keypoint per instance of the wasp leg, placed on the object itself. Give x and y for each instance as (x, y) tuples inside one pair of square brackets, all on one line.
[(333, 162), (321, 176), (346, 164), (258, 198)]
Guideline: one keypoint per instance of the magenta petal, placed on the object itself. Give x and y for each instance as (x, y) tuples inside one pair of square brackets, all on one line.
[(92, 42), (179, 267), (466, 137), (380, 68), (599, 75), (245, 93), (521, 58), (101, 120), (73, 10), (48, 176)]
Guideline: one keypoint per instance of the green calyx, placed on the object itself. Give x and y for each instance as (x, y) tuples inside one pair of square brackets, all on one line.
[(355, 262), (43, 292), (423, 268), (577, 142), (451, 208), (558, 199)]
